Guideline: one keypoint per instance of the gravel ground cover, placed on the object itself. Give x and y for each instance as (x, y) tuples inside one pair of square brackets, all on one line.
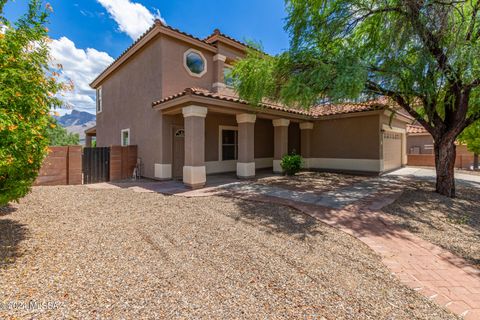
[(311, 181), (80, 253), (453, 224)]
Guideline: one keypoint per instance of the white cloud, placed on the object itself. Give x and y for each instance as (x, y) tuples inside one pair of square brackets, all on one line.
[(132, 18), (81, 67)]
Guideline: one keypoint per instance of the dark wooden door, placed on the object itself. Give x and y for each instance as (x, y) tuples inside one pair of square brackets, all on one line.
[(96, 165)]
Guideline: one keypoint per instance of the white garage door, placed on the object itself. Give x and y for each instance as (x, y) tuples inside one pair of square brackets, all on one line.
[(392, 150)]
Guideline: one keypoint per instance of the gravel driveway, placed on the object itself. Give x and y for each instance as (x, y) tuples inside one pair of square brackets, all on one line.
[(81, 253)]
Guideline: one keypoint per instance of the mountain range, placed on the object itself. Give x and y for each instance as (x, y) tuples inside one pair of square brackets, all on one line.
[(77, 122)]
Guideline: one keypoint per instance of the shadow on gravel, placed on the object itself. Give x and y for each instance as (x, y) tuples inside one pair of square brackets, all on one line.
[(6, 210), (453, 224), (277, 219), (11, 234)]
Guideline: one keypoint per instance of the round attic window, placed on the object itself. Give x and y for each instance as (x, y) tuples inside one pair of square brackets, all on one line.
[(195, 63)]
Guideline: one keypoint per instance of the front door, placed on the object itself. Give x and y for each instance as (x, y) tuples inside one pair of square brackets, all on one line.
[(178, 152)]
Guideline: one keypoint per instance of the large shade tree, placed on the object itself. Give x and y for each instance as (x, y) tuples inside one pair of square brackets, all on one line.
[(424, 55)]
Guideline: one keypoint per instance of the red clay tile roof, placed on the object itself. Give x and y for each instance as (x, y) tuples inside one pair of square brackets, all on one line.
[(317, 111), (334, 109), (206, 93), (217, 32), (411, 128)]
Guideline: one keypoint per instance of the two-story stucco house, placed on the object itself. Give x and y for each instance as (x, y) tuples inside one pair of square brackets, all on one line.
[(169, 94)]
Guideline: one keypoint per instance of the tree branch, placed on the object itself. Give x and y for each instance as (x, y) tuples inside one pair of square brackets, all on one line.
[(430, 41), (471, 27), (397, 97), (475, 83)]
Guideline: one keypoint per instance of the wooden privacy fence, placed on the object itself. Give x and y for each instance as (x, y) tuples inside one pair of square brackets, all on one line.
[(122, 162), (70, 165), (462, 161), (62, 166)]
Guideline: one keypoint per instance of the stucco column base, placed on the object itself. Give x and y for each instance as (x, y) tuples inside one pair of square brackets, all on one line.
[(306, 163), (194, 177), (163, 171), (277, 168), (246, 169)]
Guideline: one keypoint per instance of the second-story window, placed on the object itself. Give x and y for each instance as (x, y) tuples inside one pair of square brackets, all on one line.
[(194, 62), (227, 76), (99, 100)]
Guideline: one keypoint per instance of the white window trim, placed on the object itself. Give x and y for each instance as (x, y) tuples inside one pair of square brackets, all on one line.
[(99, 101), (201, 74), (220, 144), (121, 137)]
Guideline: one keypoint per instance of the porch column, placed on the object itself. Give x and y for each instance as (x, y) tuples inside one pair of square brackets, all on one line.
[(163, 170), (280, 142), (218, 65), (306, 129), (194, 173), (246, 144)]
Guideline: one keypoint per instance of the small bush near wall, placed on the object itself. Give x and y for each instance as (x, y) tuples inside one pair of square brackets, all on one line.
[(291, 164)]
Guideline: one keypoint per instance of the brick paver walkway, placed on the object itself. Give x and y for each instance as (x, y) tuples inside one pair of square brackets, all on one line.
[(436, 273)]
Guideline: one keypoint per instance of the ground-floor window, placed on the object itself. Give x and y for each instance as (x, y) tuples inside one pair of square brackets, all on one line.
[(228, 143)]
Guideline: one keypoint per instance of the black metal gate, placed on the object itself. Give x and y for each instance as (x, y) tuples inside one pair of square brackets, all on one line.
[(96, 164)]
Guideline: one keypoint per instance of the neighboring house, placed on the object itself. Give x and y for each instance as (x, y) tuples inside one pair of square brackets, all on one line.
[(170, 94), (419, 141), (421, 153)]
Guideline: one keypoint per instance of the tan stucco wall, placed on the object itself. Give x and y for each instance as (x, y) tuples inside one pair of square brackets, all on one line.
[(394, 123), (347, 138), (212, 123), (127, 97), (263, 138), (263, 132), (156, 71), (230, 52), (175, 77), (419, 141)]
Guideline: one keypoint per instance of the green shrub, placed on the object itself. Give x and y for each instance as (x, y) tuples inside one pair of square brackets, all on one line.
[(291, 164), (28, 89)]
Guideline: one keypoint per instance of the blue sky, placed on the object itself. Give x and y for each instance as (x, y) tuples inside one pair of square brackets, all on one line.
[(88, 34)]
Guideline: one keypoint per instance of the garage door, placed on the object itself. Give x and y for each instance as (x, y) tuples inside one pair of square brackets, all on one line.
[(392, 150)]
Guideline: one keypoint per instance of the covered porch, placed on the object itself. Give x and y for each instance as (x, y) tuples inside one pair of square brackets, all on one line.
[(203, 136)]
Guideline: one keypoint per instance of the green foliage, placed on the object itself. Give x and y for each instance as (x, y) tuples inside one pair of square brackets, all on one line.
[(423, 55), (291, 164), (343, 50), (27, 92), (471, 137), (58, 135)]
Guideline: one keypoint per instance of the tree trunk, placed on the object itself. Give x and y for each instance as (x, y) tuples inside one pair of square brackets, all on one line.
[(475, 161), (445, 153)]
